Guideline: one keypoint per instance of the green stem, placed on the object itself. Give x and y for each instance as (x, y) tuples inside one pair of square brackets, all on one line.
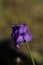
[(29, 52)]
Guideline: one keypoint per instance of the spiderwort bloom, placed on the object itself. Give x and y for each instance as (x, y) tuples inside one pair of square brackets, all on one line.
[(20, 33)]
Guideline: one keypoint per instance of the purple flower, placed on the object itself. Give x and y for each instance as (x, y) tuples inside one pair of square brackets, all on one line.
[(20, 33)]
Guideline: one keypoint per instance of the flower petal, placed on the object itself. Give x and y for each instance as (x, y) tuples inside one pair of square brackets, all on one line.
[(28, 37), (15, 28), (20, 39), (23, 28)]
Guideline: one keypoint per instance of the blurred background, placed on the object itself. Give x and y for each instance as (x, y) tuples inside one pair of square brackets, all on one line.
[(24, 11)]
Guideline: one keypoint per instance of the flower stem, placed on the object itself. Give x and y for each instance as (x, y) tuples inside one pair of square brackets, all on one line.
[(29, 52)]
